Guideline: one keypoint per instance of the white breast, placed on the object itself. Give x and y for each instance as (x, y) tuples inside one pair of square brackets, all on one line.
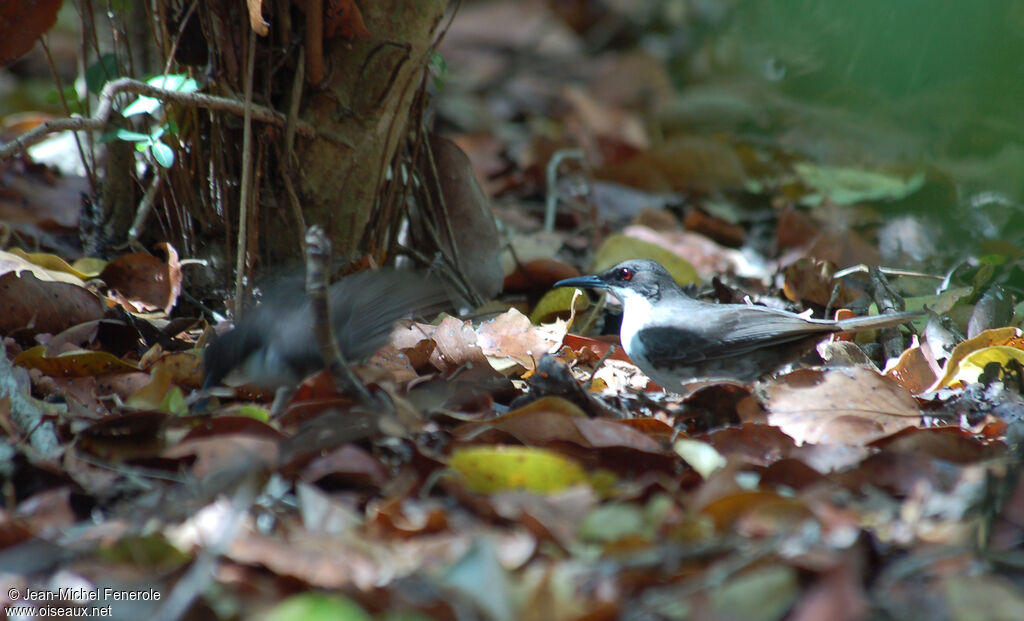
[(635, 309)]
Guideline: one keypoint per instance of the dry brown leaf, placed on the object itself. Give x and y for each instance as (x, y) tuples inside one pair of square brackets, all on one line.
[(39, 307), (22, 22), (512, 336), (912, 371), (851, 406), (140, 281), (256, 20), (810, 280)]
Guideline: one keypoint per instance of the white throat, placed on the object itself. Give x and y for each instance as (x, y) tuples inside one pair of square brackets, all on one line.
[(636, 310)]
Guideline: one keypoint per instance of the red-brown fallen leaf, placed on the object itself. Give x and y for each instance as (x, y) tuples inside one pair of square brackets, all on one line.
[(764, 513), (35, 306), (36, 199), (603, 433), (344, 19), (140, 281), (553, 419), (895, 473), (49, 512), (599, 346), (726, 233), (230, 425), (651, 427), (795, 228), (851, 406), (685, 163), (89, 392), (225, 452), (348, 465), (125, 436), (538, 275), (752, 443), (13, 531), (791, 473), (22, 22), (950, 444), (396, 364), (397, 517), (810, 279), (455, 343)]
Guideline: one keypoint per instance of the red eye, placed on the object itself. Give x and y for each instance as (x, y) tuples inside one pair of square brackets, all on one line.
[(626, 274)]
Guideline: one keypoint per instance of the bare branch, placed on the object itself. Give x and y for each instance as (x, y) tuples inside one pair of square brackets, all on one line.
[(128, 85)]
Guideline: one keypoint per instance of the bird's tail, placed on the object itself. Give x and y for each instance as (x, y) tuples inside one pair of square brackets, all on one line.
[(874, 322)]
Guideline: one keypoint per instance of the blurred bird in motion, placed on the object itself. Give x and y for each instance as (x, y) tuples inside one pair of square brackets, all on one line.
[(274, 345)]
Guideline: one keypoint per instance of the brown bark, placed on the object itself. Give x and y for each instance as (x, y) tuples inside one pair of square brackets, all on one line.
[(363, 106)]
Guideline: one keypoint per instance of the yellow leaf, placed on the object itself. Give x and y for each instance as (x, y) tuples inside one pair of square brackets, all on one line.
[(557, 302), (988, 338), (79, 363), (973, 364), (618, 248), (492, 469)]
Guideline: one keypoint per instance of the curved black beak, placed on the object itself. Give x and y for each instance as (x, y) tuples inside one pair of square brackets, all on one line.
[(583, 282)]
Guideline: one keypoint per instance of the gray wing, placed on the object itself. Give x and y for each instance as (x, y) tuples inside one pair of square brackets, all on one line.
[(366, 305), (727, 331)]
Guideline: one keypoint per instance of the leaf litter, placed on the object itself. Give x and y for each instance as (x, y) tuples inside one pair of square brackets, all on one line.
[(530, 471)]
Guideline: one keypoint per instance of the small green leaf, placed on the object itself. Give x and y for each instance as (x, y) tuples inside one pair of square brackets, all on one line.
[(174, 82), (129, 136), (438, 68), (148, 105), (251, 411), (846, 186), (101, 72), (142, 105), (163, 154)]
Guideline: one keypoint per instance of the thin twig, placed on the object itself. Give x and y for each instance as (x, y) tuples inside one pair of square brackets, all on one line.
[(318, 252), (67, 110), (127, 85), (145, 205), (246, 181)]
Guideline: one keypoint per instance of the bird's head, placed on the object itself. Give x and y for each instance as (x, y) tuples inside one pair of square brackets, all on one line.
[(635, 278)]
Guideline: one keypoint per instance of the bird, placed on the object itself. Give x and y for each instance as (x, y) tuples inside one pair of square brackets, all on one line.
[(682, 343), (274, 345)]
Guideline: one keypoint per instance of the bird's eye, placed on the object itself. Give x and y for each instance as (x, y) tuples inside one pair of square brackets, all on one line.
[(626, 274)]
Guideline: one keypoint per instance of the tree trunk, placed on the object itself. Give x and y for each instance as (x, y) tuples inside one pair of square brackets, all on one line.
[(364, 107)]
